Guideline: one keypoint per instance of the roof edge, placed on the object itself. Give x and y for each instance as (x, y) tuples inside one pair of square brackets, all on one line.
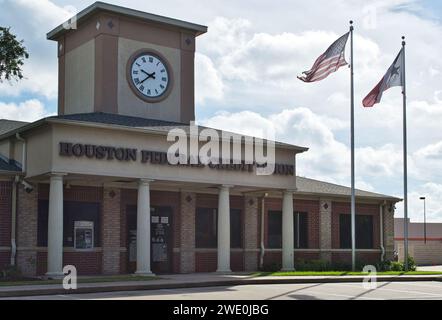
[(106, 7)]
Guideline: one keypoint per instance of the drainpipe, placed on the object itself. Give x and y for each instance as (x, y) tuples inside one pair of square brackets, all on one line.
[(261, 258), (23, 160), (14, 202), (14, 220), (381, 228)]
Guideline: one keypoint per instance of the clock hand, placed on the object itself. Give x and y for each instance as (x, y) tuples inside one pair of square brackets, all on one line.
[(144, 80), (149, 75)]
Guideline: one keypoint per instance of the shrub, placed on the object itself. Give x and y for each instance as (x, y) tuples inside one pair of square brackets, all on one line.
[(411, 264), (271, 267), (397, 266), (312, 265), (10, 273), (384, 266)]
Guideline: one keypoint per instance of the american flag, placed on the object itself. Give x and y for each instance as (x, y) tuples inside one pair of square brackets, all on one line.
[(328, 62)]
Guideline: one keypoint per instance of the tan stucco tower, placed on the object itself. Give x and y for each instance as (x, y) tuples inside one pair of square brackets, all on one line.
[(95, 53)]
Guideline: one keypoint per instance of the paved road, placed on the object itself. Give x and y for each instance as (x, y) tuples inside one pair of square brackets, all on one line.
[(333, 291)]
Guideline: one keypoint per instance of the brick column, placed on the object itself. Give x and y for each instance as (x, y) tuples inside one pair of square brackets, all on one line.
[(111, 230), (27, 215), (325, 229), (388, 226), (251, 216), (187, 232)]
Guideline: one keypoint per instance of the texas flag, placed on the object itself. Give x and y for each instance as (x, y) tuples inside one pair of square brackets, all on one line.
[(393, 78)]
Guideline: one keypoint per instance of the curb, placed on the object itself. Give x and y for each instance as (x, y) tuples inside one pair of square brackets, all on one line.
[(255, 281)]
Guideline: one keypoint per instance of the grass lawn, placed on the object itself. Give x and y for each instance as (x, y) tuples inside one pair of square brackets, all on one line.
[(80, 280), (344, 273)]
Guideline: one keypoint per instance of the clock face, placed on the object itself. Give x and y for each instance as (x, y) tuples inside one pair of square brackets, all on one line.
[(150, 76)]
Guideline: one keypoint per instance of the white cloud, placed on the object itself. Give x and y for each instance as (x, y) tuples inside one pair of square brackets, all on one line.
[(208, 84), (31, 20), (433, 194), (28, 111)]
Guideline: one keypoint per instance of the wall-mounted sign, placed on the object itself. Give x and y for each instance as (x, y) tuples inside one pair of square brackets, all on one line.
[(157, 158)]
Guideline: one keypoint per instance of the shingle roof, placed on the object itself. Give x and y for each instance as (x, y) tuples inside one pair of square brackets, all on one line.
[(9, 125), (9, 166), (136, 122), (117, 119), (311, 186)]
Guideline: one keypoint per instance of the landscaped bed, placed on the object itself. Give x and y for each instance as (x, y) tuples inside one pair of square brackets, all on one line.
[(345, 273)]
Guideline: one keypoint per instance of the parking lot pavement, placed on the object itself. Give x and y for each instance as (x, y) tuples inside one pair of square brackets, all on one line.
[(311, 291)]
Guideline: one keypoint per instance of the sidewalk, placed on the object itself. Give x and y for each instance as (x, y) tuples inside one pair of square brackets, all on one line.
[(195, 280)]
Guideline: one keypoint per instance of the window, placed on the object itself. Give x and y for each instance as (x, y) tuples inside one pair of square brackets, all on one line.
[(364, 231), (300, 221), (72, 212), (274, 229), (236, 228), (206, 228), (300, 229)]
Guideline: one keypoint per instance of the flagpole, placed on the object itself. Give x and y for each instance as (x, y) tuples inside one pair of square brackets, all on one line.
[(404, 102), (353, 204)]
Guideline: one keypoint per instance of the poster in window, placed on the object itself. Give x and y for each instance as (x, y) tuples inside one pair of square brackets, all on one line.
[(132, 245)]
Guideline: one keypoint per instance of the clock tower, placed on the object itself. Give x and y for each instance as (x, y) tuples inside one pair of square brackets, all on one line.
[(117, 60)]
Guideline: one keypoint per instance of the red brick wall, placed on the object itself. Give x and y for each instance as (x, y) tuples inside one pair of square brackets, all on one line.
[(87, 263), (275, 257), (176, 262), (4, 259), (206, 261), (362, 257), (237, 261), (272, 257), (5, 213), (363, 209), (123, 263), (305, 255), (74, 193)]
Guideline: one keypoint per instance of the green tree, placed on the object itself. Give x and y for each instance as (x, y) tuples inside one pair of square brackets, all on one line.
[(12, 56)]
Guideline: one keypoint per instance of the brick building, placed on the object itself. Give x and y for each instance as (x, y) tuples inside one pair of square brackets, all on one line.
[(424, 246), (94, 187)]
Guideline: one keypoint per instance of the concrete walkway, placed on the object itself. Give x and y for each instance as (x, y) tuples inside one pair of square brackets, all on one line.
[(194, 281), (429, 268)]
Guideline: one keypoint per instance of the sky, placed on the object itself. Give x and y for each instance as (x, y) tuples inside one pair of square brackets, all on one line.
[(246, 68)]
